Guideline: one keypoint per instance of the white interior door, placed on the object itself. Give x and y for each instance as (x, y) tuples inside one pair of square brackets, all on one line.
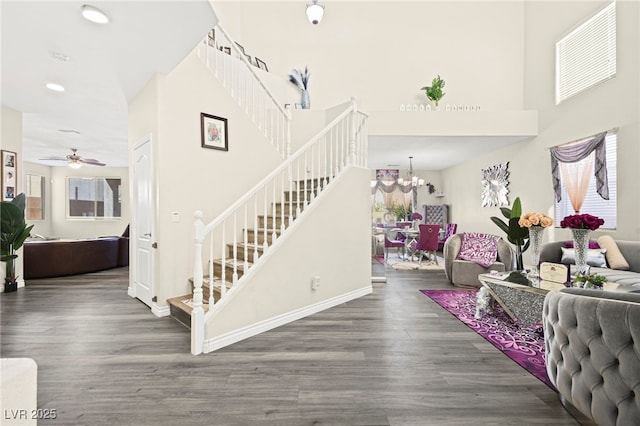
[(143, 227)]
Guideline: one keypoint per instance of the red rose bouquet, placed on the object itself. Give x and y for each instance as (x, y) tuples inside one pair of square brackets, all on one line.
[(582, 221)]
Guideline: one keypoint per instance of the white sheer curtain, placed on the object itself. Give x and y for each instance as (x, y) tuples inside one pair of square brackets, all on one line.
[(576, 178)]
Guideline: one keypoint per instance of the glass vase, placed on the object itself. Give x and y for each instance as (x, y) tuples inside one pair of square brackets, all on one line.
[(581, 245), (535, 241), (305, 101)]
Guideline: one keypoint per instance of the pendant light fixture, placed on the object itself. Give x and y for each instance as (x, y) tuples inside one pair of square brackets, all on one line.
[(315, 12)]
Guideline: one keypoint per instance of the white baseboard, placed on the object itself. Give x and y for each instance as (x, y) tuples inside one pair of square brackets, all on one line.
[(160, 311), (131, 291), (227, 339)]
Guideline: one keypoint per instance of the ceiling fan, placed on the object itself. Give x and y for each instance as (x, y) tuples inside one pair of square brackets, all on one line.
[(75, 161)]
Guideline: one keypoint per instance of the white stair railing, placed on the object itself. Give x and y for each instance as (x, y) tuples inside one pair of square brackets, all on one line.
[(226, 60), (269, 208)]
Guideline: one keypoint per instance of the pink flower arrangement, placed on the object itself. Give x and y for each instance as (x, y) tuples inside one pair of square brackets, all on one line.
[(535, 219), (415, 216), (582, 221)]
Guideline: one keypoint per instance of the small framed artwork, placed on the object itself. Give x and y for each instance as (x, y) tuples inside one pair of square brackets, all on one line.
[(211, 39), (240, 47), (249, 59), (298, 106), (260, 64), (214, 132), (9, 175), (225, 49)]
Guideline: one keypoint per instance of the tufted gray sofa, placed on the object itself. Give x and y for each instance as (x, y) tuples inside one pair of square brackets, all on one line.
[(592, 345)]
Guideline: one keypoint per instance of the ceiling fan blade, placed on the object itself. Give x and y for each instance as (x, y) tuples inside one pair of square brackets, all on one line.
[(54, 158), (91, 161)]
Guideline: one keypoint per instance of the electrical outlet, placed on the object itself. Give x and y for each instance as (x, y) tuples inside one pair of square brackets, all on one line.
[(315, 283), (175, 217)]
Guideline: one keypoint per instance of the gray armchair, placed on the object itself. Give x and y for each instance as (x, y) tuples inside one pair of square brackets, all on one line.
[(465, 273), (592, 345)]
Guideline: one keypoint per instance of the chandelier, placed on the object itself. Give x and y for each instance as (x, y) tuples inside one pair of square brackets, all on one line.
[(411, 178)]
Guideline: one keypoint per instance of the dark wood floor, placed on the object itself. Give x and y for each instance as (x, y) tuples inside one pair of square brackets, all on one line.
[(391, 358)]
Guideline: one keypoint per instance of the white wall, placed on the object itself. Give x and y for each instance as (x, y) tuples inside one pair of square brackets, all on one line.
[(63, 227), (11, 140), (326, 242), (614, 103), (382, 53)]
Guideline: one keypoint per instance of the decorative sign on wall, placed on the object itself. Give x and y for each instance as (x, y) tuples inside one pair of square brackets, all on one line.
[(495, 186), (429, 107)]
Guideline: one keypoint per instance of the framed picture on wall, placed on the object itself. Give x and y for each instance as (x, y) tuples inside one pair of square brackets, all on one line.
[(214, 132), (9, 175), (260, 64)]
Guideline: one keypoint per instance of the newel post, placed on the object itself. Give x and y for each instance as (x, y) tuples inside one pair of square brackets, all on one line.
[(197, 314), (353, 158)]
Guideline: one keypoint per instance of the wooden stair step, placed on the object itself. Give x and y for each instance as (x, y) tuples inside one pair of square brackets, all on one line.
[(181, 308)]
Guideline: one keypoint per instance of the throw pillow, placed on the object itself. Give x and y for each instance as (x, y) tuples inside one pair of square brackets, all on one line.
[(592, 244), (614, 257), (479, 248), (594, 257)]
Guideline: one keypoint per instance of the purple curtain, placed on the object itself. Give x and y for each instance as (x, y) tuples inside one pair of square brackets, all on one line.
[(576, 152)]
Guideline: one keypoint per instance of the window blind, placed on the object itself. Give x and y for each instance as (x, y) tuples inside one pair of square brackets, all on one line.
[(587, 55)]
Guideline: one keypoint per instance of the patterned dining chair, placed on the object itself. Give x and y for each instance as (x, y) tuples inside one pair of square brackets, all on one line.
[(428, 242), (449, 231), (392, 240)]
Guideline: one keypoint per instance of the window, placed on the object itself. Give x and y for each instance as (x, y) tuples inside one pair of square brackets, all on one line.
[(593, 203), (587, 55), (34, 197), (93, 198)]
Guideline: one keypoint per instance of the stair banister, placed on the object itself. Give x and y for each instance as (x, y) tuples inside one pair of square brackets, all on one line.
[(320, 146)]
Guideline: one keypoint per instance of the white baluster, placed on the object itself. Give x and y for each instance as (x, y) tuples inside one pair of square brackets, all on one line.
[(211, 272), (223, 271), (256, 231), (274, 203), (235, 247), (246, 240), (265, 243)]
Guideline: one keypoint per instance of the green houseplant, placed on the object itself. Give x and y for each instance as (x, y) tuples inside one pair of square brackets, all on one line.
[(516, 234), (434, 92), (14, 231)]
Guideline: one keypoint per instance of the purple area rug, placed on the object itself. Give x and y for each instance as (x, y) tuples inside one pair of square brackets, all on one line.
[(525, 346)]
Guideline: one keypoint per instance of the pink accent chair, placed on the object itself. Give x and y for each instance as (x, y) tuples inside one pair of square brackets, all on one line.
[(449, 231), (428, 242)]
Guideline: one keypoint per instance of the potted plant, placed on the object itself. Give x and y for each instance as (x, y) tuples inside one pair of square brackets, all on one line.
[(434, 92), (516, 234), (590, 281), (14, 231)]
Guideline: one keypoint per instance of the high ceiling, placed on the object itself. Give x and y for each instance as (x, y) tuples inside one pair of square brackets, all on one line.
[(107, 65), (431, 152)]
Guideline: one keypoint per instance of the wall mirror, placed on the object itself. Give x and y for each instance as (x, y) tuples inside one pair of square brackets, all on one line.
[(495, 186)]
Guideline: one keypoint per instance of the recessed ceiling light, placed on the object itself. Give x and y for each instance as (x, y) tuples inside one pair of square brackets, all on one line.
[(59, 57), (93, 14), (55, 87)]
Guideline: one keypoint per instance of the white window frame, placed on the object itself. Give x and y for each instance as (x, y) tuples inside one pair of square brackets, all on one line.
[(594, 204), (95, 180), (587, 55)]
